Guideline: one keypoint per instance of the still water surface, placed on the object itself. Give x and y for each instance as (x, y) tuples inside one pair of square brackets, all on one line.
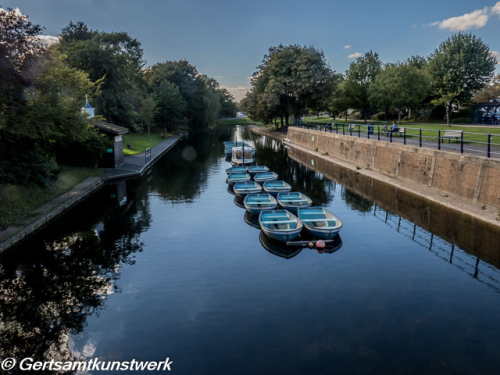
[(167, 266)]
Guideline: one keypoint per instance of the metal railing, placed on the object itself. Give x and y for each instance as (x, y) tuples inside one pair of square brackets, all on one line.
[(485, 144), (147, 155)]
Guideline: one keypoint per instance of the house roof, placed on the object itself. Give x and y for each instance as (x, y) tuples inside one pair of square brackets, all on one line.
[(110, 128)]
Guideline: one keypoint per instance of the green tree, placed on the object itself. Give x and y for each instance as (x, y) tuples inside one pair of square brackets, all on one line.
[(460, 66), (117, 58), (227, 104), (399, 86), (490, 92), (191, 87), (290, 79), (171, 106), (360, 75)]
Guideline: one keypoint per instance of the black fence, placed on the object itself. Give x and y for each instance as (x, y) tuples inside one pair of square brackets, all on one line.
[(484, 144), (147, 155)]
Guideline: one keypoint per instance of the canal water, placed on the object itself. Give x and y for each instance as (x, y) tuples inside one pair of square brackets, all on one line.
[(170, 266)]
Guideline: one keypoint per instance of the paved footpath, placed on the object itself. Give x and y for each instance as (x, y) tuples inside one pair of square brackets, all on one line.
[(134, 166)]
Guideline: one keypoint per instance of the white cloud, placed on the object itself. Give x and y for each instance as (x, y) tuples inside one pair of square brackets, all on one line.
[(468, 21), (354, 55), (495, 9), (497, 55), (347, 46), (48, 40)]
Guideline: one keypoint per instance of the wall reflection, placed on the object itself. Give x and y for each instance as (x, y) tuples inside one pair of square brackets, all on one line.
[(470, 244)]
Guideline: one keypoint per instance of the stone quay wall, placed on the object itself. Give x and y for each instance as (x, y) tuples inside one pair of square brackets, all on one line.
[(473, 178)]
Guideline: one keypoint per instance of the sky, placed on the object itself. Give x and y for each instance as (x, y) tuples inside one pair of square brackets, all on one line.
[(227, 39)]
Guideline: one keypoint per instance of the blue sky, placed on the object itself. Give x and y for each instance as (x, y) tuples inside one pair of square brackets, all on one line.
[(227, 39)]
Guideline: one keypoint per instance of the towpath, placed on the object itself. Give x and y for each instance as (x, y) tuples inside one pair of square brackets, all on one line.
[(134, 166)]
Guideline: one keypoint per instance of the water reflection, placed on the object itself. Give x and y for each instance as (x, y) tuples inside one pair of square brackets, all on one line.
[(278, 248), (463, 241), (252, 220), (401, 281), (66, 275)]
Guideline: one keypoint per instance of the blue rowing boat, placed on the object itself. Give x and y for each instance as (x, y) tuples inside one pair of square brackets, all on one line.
[(253, 169), (242, 189), (275, 187), (237, 169), (320, 222), (233, 178), (291, 201), (255, 203), (280, 225), (265, 176)]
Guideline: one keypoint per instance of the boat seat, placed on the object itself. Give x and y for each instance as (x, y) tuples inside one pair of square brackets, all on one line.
[(311, 220), (279, 222)]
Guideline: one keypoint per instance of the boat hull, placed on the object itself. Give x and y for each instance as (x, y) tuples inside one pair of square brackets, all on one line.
[(325, 232), (280, 218), (244, 193), (281, 236), (232, 180), (257, 169), (255, 209), (286, 202)]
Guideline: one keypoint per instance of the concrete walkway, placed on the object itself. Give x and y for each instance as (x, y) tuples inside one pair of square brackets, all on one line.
[(134, 166)]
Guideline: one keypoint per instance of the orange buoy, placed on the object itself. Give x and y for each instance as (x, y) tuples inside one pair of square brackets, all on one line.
[(320, 244)]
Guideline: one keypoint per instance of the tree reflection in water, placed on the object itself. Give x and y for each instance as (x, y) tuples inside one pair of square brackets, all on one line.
[(50, 287)]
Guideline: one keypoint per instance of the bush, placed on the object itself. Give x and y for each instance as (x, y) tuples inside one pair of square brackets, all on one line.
[(461, 120), (85, 151), (356, 116), (438, 113), (462, 113), (378, 116), (29, 168), (424, 114)]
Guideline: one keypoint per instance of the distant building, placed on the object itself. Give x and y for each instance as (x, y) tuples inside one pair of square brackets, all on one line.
[(87, 108)]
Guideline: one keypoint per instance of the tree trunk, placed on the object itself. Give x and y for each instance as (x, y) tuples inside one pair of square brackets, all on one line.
[(346, 115), (409, 113), (448, 111), (281, 116), (286, 119)]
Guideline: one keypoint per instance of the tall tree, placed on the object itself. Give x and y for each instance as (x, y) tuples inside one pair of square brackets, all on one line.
[(290, 79), (461, 65), (227, 104), (117, 58), (359, 77), (189, 83), (399, 86)]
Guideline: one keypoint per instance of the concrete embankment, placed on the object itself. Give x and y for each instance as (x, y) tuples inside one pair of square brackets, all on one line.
[(134, 166), (464, 184)]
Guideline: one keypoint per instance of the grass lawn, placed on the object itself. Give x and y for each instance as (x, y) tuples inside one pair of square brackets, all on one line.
[(140, 141), (238, 121), (17, 202)]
